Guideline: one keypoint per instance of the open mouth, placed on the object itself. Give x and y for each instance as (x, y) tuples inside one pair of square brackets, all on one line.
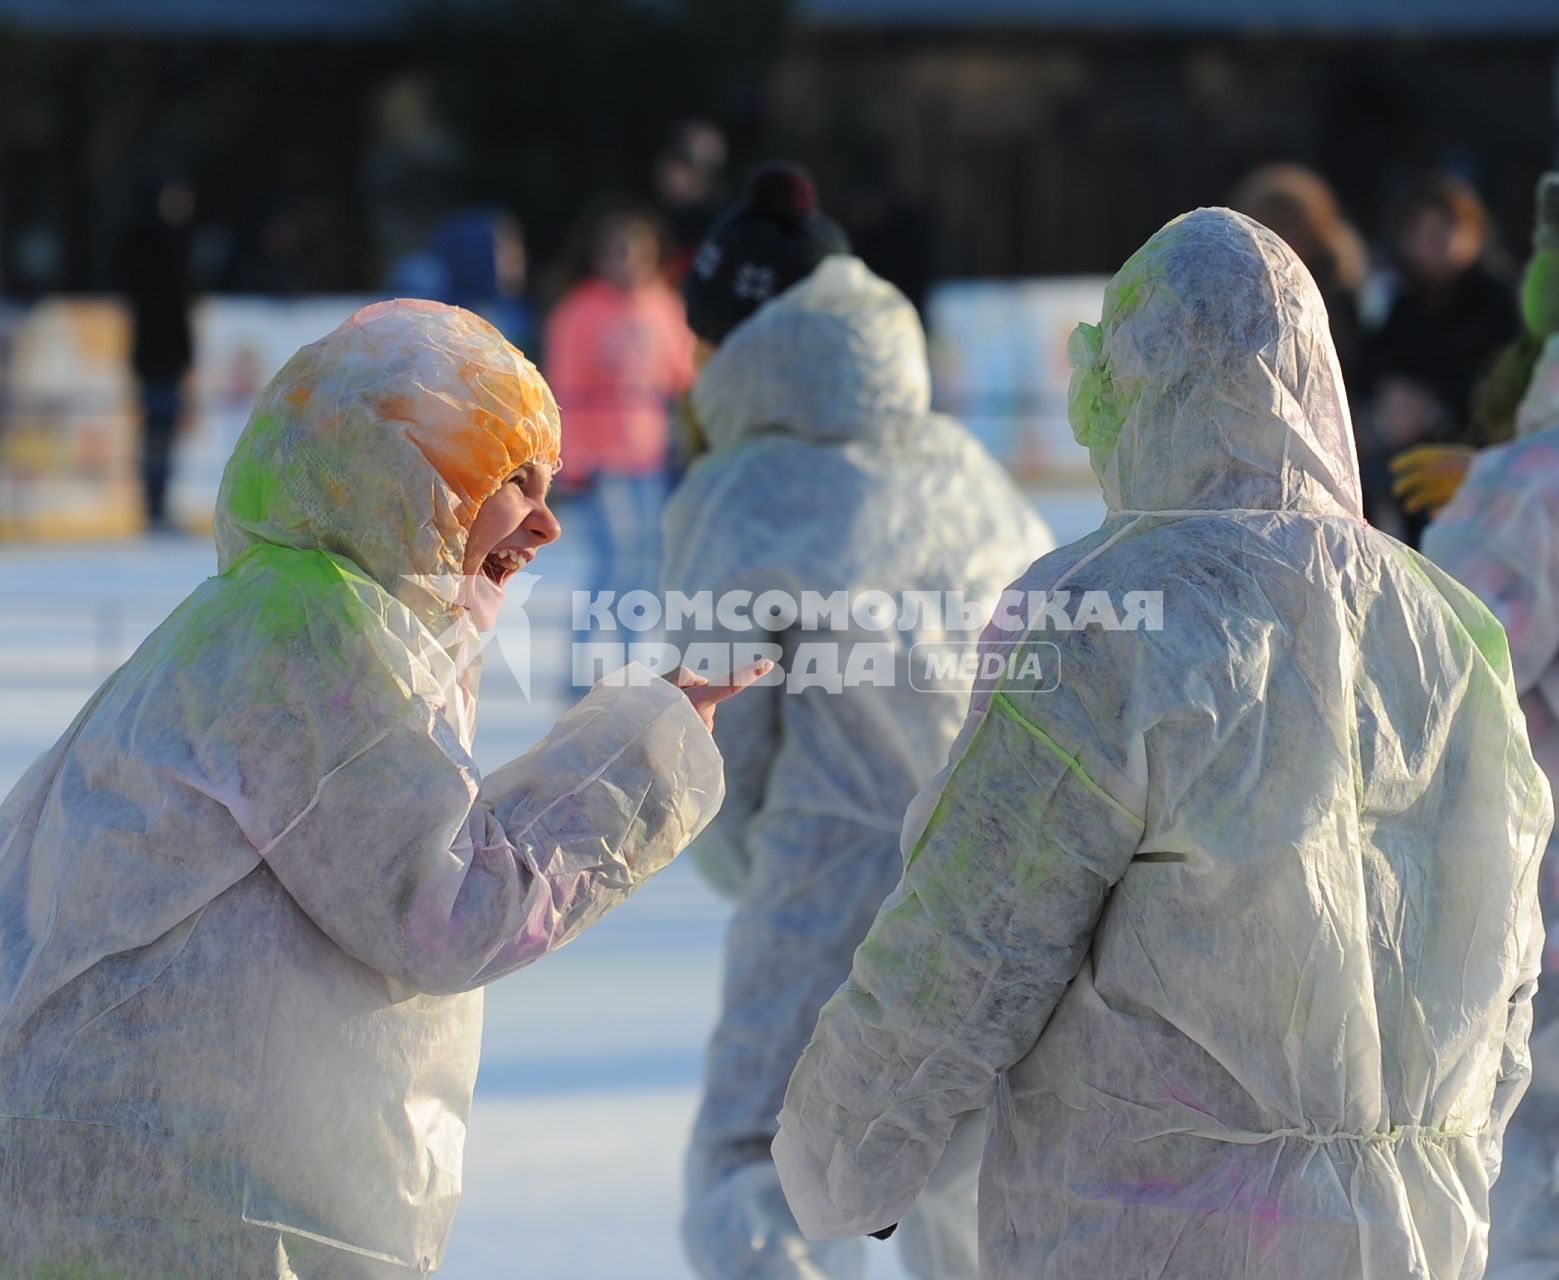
[(503, 564)]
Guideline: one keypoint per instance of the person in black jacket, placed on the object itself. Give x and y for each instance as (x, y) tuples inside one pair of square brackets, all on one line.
[(159, 289), (1452, 313)]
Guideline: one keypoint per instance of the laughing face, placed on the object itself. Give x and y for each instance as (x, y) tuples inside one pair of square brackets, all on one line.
[(508, 530)]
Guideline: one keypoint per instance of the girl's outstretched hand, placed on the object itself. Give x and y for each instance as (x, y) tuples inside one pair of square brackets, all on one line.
[(705, 697)]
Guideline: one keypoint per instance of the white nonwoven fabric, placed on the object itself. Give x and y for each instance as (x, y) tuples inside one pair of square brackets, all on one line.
[(249, 900), (1230, 937)]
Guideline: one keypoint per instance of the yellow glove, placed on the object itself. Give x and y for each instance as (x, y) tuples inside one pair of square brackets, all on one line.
[(687, 436), (1427, 476)]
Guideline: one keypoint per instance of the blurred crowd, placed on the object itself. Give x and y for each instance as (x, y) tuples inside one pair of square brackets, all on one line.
[(1424, 310), (1428, 326)]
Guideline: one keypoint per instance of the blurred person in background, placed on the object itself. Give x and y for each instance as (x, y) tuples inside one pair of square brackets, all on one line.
[(474, 259), (1499, 393), (283, 248), (1499, 535), (155, 268), (826, 472), (687, 176), (1427, 476), (411, 160), (890, 230), (1450, 314), (618, 353), (1300, 205)]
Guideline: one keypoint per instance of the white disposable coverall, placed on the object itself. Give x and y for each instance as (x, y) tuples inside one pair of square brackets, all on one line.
[(1231, 935), (1500, 536), (248, 901), (827, 474)]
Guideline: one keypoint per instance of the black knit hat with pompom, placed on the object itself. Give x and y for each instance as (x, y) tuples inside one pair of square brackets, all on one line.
[(759, 248)]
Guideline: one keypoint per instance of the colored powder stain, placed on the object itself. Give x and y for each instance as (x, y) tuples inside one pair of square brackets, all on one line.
[(1482, 626), (935, 1000), (394, 409), (299, 395), (533, 406), (1095, 412), (513, 406), (922, 970), (1033, 872), (1096, 408), (494, 450), (1223, 1192), (335, 489), (908, 912), (1126, 290), (435, 457), (1145, 267), (960, 860), (1540, 293), (473, 461), (271, 599), (485, 420), (251, 487)]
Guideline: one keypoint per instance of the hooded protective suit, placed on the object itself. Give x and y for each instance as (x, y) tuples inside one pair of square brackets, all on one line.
[(248, 901), (827, 474), (1231, 934), (1500, 536)]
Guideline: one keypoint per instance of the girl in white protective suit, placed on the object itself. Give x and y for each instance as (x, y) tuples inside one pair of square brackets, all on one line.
[(1500, 536), (1230, 936), (826, 475), (249, 900)]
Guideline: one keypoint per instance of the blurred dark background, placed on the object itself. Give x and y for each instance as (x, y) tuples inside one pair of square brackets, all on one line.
[(968, 138)]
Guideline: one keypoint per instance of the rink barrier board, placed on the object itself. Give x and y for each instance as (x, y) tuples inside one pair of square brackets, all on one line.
[(69, 409)]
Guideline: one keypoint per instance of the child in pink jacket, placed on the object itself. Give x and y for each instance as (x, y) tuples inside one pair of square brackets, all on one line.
[(618, 354)]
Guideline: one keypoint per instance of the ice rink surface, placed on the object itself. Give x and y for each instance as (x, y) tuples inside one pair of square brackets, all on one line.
[(591, 1058)]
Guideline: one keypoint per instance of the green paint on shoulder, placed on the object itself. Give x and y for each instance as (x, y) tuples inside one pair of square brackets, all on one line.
[(1482, 627), (273, 595)]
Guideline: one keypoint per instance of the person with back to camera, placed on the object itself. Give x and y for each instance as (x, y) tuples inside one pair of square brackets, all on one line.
[(825, 473), (1230, 936), (249, 900)]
